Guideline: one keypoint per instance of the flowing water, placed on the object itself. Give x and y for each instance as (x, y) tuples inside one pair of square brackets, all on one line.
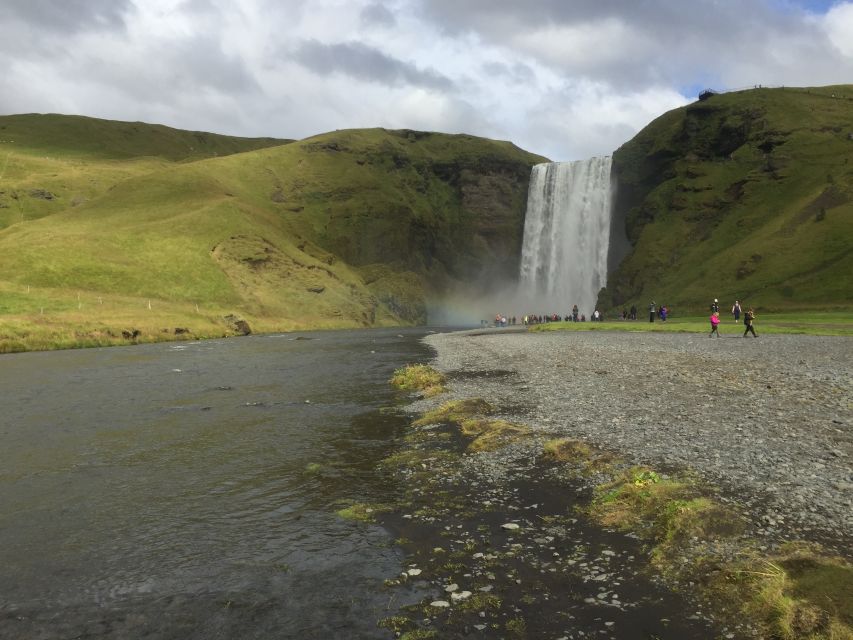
[(189, 490), (566, 234)]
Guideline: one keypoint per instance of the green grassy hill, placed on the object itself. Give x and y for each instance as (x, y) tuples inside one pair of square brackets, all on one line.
[(746, 195), (108, 227)]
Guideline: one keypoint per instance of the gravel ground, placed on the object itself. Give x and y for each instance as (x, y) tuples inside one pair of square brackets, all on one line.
[(767, 420)]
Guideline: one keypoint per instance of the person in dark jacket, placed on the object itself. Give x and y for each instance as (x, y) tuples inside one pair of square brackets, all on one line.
[(748, 319)]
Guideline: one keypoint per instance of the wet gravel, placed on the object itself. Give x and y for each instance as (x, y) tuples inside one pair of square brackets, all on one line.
[(766, 420)]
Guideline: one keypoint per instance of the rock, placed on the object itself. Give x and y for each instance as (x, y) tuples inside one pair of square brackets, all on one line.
[(510, 526), (414, 572), (462, 595), (439, 604), (238, 325), (317, 289), (451, 587)]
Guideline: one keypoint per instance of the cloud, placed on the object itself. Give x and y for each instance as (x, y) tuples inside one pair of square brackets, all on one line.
[(378, 15), (838, 24), (564, 79), (67, 15), (366, 63), (640, 44)]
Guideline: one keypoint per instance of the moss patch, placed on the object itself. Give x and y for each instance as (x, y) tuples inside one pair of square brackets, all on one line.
[(798, 594), (361, 512), (568, 450), (490, 435), (455, 412), (419, 377)]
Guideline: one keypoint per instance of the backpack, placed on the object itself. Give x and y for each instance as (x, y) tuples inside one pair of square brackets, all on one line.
[(746, 318)]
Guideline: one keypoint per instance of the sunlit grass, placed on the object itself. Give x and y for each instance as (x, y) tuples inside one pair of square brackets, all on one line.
[(419, 377), (799, 593)]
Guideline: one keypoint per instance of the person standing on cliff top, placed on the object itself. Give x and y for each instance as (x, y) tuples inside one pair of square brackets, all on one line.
[(652, 311)]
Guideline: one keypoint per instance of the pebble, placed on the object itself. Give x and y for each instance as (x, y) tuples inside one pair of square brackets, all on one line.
[(672, 400)]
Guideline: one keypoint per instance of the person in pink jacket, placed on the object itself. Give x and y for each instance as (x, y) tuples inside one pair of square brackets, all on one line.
[(715, 322)]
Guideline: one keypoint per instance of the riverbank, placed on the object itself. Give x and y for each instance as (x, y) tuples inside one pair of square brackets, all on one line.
[(759, 428), (768, 419)]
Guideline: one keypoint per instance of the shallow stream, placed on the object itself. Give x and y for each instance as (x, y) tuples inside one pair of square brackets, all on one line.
[(189, 490)]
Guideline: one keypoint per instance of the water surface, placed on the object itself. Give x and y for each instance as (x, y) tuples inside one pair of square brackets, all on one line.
[(188, 490)]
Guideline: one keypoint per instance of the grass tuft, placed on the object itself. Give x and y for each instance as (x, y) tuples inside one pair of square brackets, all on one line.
[(419, 377), (490, 435)]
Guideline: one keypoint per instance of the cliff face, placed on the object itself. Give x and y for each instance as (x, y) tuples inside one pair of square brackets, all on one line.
[(742, 196), (350, 228), (447, 207)]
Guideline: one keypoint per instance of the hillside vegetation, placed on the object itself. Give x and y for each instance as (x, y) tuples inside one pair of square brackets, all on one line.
[(745, 195), (109, 227)]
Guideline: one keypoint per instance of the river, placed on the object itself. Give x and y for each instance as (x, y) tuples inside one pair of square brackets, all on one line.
[(189, 490)]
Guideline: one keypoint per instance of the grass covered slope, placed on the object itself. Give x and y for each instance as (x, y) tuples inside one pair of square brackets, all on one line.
[(352, 228), (746, 195)]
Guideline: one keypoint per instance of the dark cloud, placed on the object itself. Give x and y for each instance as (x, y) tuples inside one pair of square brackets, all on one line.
[(67, 15), (366, 63), (378, 14)]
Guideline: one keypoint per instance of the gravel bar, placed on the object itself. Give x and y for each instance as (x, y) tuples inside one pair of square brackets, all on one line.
[(766, 420)]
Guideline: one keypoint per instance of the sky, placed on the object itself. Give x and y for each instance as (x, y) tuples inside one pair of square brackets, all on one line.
[(568, 79)]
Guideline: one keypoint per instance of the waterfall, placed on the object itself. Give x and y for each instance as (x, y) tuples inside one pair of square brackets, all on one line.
[(566, 235)]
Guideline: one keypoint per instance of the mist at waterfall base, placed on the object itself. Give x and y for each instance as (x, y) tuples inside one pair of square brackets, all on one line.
[(564, 250)]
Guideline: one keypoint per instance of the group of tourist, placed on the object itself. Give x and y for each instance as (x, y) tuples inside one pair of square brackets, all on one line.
[(748, 318), (660, 312)]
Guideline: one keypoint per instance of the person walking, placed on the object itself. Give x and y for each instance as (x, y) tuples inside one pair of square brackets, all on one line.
[(748, 320), (736, 311), (715, 323), (715, 306), (652, 311)]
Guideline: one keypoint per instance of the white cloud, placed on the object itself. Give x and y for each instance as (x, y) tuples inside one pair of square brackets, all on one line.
[(839, 27), (566, 80), (585, 47)]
